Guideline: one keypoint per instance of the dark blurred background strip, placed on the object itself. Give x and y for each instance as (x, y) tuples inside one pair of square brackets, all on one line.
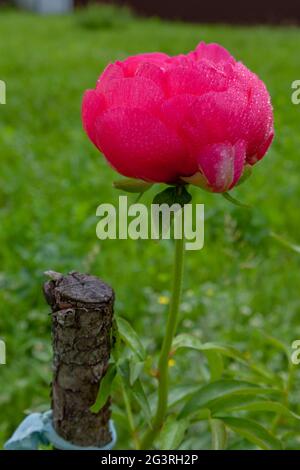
[(224, 11)]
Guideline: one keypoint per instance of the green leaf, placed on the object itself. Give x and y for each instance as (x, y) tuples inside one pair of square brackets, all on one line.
[(136, 390), (192, 342), (218, 434), (286, 243), (135, 370), (115, 341), (132, 185), (276, 343), (212, 395), (172, 433), (173, 195), (291, 439), (104, 389), (189, 341), (203, 414), (246, 174), (235, 201), (259, 405), (241, 444), (140, 396), (215, 364), (182, 392), (131, 338), (231, 401), (198, 180), (267, 375), (253, 432)]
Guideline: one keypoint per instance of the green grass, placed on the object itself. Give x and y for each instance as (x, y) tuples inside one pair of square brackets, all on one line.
[(52, 179)]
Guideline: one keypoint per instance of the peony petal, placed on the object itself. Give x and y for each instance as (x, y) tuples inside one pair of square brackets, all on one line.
[(239, 161), (139, 145), (261, 150), (131, 64), (196, 79), (260, 125), (175, 111), (216, 117), (258, 122), (212, 52), (93, 105), (152, 72), (112, 72), (136, 92), (222, 164)]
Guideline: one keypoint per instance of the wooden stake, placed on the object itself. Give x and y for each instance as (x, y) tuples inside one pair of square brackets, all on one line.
[(82, 315)]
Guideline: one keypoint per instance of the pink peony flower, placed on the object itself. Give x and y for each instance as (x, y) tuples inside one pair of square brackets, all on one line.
[(199, 118)]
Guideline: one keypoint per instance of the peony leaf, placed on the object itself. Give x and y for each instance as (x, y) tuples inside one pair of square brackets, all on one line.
[(136, 390), (284, 242), (182, 392), (131, 338), (140, 397), (212, 396), (172, 433), (252, 404), (189, 341), (218, 434), (135, 370), (198, 180), (275, 342), (105, 388), (215, 364), (173, 195), (132, 185), (246, 174), (235, 201), (253, 432)]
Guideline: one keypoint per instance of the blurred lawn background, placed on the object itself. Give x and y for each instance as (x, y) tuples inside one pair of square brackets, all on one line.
[(242, 284)]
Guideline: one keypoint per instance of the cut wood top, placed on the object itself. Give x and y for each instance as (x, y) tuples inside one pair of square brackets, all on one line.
[(78, 287)]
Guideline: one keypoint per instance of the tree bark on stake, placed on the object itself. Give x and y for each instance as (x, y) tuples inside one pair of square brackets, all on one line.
[(82, 315)]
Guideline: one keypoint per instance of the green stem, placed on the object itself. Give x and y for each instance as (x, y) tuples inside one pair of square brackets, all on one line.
[(287, 391), (163, 365), (130, 416)]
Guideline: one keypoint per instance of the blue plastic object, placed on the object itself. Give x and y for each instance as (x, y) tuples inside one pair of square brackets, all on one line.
[(37, 429)]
